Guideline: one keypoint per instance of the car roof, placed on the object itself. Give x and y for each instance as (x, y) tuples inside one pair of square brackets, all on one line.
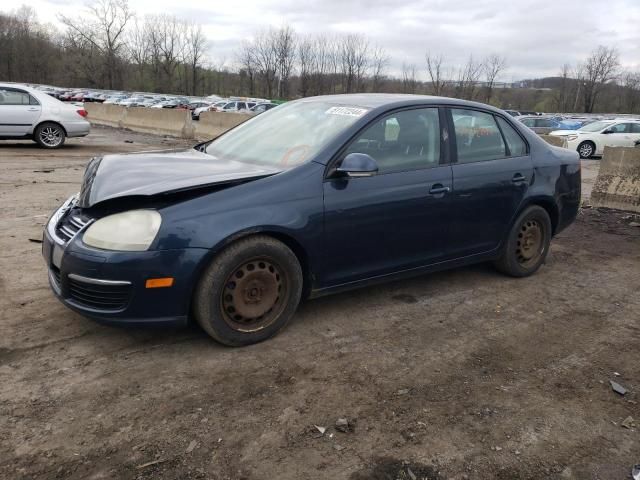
[(390, 100)]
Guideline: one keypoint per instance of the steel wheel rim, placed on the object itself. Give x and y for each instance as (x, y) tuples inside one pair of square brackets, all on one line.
[(530, 243), (586, 150), (51, 136), (254, 295)]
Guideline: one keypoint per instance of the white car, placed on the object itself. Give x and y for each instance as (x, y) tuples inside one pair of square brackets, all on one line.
[(591, 139), (27, 113)]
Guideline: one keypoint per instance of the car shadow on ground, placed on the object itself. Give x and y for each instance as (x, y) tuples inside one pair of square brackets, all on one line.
[(315, 312)]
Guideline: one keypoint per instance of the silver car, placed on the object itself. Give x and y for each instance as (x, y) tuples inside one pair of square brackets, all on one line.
[(27, 113)]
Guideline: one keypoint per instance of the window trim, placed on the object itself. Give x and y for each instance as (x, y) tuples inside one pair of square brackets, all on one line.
[(495, 115), (445, 158)]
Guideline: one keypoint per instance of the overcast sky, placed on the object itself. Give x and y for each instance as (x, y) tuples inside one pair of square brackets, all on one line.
[(536, 36)]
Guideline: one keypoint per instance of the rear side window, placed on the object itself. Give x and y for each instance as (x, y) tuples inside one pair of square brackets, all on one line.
[(477, 136), (635, 128), (517, 146), (14, 97)]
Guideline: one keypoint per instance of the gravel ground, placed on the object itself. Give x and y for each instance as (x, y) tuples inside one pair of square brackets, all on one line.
[(465, 374)]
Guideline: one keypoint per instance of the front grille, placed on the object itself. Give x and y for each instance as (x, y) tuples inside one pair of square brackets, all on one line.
[(98, 296), (70, 225)]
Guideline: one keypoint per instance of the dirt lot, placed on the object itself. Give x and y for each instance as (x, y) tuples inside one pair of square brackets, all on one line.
[(459, 375)]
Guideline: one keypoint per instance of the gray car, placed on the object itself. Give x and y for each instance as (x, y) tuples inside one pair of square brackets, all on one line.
[(27, 113)]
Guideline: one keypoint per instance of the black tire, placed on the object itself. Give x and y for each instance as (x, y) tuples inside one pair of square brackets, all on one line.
[(527, 245), (234, 294), (586, 149), (49, 135)]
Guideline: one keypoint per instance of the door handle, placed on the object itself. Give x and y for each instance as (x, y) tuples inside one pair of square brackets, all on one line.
[(518, 177), (438, 188), (33, 109)]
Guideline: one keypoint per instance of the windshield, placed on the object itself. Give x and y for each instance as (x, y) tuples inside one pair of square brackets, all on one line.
[(286, 136), (594, 127)]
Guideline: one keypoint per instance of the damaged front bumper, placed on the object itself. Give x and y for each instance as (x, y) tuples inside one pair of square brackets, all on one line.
[(109, 286)]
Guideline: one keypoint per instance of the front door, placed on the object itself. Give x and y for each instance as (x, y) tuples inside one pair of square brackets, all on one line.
[(623, 135), (19, 112), (395, 220), (491, 175)]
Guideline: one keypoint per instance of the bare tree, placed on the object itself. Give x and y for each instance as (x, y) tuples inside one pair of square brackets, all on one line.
[(599, 69), (468, 79), (437, 73), (561, 94), (266, 59), (379, 63), (492, 66), (248, 66), (104, 30), (409, 80), (354, 49), (284, 44), (194, 52), (306, 61)]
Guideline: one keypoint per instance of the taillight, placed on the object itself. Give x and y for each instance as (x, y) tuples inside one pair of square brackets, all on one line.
[(82, 112)]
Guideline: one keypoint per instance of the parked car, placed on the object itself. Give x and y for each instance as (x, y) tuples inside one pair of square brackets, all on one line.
[(262, 107), (236, 107), (78, 96), (131, 101), (197, 108), (28, 113), (590, 140), (540, 125), (316, 196), (513, 113), (115, 98)]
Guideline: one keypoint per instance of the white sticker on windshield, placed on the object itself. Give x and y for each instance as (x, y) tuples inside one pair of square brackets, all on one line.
[(348, 111)]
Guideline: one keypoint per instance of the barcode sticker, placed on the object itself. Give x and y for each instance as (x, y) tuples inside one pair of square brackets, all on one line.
[(348, 111)]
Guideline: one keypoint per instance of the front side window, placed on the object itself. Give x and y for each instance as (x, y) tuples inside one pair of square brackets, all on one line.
[(401, 141), (10, 96), (529, 122), (517, 146), (477, 136)]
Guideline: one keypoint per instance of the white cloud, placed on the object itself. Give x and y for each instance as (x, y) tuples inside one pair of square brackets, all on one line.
[(537, 37)]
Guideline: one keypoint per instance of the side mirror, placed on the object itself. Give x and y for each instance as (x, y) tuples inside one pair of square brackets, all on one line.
[(607, 131), (358, 165)]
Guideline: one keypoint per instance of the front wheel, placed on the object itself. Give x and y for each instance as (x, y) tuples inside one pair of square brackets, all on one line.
[(586, 149), (49, 135), (527, 244), (249, 292)]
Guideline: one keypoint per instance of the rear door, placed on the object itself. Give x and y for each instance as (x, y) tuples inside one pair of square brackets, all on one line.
[(621, 136), (492, 170), (19, 112), (395, 220)]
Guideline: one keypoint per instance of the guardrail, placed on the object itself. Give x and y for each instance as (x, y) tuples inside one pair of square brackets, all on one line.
[(618, 183), (164, 121)]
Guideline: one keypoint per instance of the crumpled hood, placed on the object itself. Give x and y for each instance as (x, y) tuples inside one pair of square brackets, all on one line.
[(153, 173)]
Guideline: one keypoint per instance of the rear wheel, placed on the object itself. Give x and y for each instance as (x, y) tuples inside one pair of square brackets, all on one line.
[(49, 135), (527, 245), (586, 149), (249, 292)]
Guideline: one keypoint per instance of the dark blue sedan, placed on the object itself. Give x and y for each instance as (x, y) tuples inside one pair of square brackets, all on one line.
[(313, 197)]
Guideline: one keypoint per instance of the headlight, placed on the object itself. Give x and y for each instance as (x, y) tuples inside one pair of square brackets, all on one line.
[(131, 231), (571, 137)]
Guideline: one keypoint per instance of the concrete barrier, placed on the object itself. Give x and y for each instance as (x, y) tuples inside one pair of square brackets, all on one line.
[(110, 115), (555, 141), (165, 121), (618, 182), (214, 124)]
